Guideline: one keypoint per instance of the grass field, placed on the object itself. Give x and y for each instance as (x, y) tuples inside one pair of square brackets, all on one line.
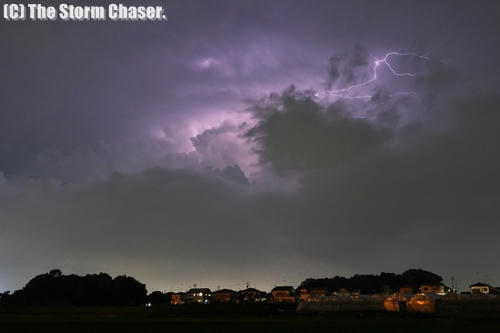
[(220, 319)]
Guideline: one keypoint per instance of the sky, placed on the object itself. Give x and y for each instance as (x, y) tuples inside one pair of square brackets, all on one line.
[(260, 141)]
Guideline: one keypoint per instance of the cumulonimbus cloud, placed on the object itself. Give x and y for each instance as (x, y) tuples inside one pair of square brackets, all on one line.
[(385, 188)]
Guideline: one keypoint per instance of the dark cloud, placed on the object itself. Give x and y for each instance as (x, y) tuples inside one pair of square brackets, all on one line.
[(300, 134), (234, 173), (123, 147), (424, 194), (419, 196), (349, 68)]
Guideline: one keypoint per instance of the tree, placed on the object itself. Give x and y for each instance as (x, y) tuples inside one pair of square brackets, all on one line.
[(371, 283), (156, 297), (417, 277), (54, 288), (55, 273)]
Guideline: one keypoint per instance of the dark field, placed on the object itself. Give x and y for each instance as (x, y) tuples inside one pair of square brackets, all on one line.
[(213, 318)]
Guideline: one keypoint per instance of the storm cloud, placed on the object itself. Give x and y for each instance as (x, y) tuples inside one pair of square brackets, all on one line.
[(198, 150)]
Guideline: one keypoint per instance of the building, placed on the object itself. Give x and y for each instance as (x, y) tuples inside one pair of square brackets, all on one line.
[(198, 295), (252, 295), (177, 298), (435, 288), (318, 292), (283, 294), (346, 292), (304, 293), (483, 288), (225, 296)]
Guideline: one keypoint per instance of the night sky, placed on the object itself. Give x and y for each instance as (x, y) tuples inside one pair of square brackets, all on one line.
[(225, 145)]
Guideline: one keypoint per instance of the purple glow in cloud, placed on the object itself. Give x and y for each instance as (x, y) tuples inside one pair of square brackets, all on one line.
[(344, 92)]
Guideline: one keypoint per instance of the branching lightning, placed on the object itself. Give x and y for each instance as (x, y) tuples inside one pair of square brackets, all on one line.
[(345, 92)]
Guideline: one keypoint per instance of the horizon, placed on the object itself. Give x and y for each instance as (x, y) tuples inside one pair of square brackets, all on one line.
[(247, 284)]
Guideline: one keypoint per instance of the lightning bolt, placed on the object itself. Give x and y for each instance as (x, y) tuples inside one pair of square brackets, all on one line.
[(344, 92)]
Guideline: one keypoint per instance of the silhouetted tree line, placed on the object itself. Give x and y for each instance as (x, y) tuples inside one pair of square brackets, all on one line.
[(371, 284), (157, 297), (54, 288)]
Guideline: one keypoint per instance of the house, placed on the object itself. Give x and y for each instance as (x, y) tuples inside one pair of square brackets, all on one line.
[(176, 298), (345, 292), (283, 294), (225, 296), (318, 292), (434, 288), (483, 288), (252, 295), (198, 295), (302, 294)]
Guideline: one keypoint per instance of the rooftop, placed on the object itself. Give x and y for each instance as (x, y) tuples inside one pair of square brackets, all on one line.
[(284, 288), (199, 290)]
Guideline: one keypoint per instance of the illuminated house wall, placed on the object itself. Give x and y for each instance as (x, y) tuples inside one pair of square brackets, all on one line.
[(283, 294), (225, 296), (198, 295)]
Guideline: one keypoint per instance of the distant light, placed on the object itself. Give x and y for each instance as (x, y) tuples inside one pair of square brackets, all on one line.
[(148, 305)]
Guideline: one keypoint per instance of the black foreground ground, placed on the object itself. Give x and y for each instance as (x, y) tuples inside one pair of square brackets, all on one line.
[(234, 318)]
